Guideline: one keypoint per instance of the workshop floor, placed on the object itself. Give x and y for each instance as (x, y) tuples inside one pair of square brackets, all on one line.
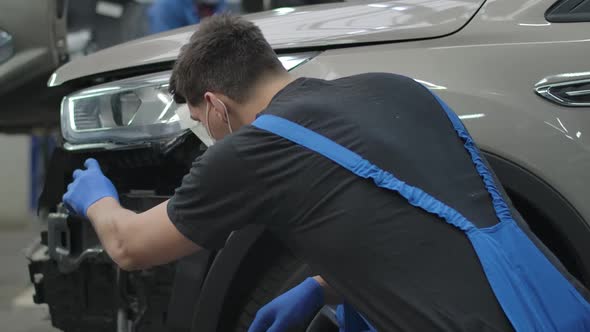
[(18, 313)]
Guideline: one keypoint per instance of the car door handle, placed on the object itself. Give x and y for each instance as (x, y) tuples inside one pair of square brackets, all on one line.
[(570, 93)]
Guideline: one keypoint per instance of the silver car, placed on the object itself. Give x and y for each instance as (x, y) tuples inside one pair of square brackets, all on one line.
[(516, 71)]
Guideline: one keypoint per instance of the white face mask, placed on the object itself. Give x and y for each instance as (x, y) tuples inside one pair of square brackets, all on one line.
[(184, 117), (203, 134)]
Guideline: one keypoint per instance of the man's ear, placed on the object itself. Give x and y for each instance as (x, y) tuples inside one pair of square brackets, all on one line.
[(208, 98), (217, 107), (221, 109)]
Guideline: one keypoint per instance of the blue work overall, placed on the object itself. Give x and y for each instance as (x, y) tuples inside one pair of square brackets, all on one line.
[(533, 294)]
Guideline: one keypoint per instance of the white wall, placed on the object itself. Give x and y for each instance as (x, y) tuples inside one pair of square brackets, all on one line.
[(14, 180)]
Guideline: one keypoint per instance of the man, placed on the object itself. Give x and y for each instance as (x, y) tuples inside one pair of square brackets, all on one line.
[(298, 155)]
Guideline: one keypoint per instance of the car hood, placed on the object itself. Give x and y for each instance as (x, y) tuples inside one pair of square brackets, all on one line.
[(302, 27)]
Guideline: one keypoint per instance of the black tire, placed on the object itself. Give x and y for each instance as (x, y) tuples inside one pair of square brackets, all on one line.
[(269, 271), (287, 273)]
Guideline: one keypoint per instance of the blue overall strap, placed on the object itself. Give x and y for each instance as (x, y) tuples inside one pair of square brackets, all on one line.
[(349, 320), (361, 167), (500, 206)]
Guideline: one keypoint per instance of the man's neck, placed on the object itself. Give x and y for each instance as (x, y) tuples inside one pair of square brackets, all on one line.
[(265, 93)]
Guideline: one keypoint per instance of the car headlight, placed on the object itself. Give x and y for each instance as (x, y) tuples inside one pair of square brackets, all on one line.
[(126, 111), (130, 111)]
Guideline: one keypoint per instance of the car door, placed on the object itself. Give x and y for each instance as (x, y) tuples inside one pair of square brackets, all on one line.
[(32, 44)]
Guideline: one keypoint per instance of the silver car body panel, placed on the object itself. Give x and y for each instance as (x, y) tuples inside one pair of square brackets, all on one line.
[(289, 28)]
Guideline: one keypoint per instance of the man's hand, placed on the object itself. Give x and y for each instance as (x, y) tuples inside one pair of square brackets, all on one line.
[(89, 186), (293, 308)]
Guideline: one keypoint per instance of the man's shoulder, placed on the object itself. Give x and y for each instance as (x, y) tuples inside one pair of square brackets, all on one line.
[(222, 152), (233, 145)]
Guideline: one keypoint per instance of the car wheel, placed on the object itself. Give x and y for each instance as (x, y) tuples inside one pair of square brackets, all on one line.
[(269, 272)]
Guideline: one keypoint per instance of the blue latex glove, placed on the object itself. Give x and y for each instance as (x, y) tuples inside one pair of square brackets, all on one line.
[(89, 186), (293, 308)]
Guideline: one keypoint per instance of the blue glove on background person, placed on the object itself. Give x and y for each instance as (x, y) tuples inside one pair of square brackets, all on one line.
[(89, 186), (295, 307)]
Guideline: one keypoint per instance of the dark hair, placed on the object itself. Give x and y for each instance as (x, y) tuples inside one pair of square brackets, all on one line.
[(227, 54)]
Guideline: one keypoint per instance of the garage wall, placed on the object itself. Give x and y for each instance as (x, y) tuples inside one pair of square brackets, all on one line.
[(14, 180)]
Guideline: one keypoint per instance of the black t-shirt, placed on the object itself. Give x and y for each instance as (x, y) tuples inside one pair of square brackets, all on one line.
[(402, 268)]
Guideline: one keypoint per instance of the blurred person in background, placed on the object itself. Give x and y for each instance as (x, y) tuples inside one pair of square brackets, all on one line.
[(166, 15)]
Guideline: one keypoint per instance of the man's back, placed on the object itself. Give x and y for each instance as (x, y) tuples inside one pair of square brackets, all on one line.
[(419, 273)]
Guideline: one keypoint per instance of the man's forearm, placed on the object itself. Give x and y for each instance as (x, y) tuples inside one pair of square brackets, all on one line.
[(138, 240), (330, 295), (110, 221)]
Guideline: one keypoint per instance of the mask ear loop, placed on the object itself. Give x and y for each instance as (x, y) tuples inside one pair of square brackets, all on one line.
[(227, 116), (207, 121)]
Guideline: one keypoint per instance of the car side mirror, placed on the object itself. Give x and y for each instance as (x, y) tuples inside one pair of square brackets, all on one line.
[(6, 46)]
